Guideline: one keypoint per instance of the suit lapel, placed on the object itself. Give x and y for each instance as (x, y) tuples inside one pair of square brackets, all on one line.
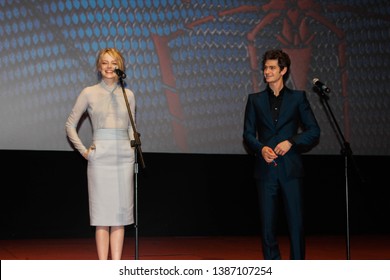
[(264, 104), (284, 107)]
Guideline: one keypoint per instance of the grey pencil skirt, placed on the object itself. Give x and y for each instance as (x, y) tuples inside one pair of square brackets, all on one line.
[(111, 179)]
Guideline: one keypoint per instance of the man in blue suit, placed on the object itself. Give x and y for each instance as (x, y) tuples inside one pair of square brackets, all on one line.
[(279, 125)]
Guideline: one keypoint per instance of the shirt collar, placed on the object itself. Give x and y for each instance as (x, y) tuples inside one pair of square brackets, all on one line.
[(271, 92)]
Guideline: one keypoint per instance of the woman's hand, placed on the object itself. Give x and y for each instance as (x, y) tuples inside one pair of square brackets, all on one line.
[(86, 153)]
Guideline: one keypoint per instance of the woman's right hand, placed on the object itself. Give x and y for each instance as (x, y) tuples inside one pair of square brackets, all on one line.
[(86, 153)]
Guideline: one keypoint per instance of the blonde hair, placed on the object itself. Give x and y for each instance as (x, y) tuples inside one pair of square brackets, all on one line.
[(115, 54)]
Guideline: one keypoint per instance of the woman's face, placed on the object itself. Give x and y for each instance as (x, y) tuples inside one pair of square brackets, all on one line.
[(107, 66)]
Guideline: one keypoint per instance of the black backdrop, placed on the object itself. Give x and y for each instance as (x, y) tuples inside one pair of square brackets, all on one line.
[(44, 194)]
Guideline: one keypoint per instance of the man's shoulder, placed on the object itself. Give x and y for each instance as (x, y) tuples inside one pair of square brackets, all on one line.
[(262, 92), (295, 92), (288, 89)]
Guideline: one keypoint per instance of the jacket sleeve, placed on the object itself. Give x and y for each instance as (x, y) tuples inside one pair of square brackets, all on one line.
[(310, 133), (250, 132)]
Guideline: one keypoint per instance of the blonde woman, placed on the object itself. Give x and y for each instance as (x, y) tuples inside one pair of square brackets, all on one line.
[(110, 155)]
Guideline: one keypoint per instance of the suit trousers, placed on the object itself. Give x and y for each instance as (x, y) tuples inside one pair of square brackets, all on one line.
[(278, 188)]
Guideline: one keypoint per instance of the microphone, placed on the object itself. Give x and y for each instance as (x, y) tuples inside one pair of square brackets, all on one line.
[(321, 85), (120, 73)]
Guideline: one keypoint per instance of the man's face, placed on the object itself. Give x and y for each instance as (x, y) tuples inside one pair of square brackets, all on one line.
[(272, 71)]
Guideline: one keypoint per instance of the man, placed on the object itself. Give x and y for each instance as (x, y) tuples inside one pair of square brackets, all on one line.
[(279, 124)]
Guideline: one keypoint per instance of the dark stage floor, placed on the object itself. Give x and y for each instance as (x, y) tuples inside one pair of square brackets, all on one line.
[(362, 247)]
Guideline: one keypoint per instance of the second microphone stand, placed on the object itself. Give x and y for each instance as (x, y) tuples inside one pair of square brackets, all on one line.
[(346, 152), (136, 143)]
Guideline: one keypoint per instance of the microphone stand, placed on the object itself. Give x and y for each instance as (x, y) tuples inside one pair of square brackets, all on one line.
[(346, 152), (137, 144)]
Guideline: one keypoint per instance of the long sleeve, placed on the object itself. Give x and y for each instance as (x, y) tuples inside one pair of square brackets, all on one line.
[(250, 127), (311, 131), (78, 110)]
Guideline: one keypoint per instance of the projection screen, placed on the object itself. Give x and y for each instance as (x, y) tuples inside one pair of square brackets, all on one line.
[(191, 65)]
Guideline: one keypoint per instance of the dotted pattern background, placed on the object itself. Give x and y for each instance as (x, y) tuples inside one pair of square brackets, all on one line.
[(48, 51)]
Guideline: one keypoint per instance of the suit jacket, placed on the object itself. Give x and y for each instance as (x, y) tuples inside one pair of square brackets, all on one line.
[(296, 122)]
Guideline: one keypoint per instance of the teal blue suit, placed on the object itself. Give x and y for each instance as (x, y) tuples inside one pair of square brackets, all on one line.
[(296, 123)]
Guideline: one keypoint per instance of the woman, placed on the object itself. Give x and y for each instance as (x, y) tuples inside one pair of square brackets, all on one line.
[(110, 156)]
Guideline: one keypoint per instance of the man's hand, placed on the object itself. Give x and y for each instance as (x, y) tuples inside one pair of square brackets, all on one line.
[(268, 154), (283, 147)]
